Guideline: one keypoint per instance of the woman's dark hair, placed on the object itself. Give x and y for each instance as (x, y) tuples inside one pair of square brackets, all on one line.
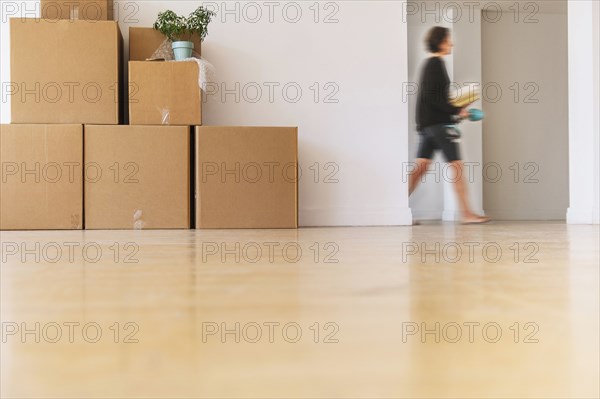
[(435, 37)]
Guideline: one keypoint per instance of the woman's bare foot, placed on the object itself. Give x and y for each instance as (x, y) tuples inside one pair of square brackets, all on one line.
[(475, 219)]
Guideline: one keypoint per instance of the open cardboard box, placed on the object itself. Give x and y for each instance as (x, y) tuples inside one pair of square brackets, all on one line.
[(143, 42)]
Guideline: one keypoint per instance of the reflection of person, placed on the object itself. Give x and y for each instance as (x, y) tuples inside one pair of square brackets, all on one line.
[(434, 114)]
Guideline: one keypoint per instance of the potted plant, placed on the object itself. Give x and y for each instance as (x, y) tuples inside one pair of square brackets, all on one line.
[(179, 29)]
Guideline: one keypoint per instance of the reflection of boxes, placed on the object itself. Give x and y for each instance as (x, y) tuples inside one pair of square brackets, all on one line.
[(143, 42), (137, 177), (96, 10), (64, 71), (246, 177), (41, 187), (164, 93)]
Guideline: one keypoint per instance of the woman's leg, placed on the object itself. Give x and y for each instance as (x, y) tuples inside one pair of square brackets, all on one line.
[(422, 164), (461, 190), (425, 152), (448, 143)]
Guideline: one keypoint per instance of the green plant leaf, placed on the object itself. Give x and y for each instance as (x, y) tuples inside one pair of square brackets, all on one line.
[(176, 27)]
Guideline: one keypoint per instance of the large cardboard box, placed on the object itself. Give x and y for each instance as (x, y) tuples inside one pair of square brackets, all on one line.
[(94, 10), (143, 42), (137, 177), (41, 187), (246, 177), (164, 93), (64, 71)]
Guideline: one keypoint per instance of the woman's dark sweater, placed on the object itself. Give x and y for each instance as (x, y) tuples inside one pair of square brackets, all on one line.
[(433, 104)]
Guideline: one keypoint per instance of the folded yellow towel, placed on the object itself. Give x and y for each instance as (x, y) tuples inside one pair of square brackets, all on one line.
[(466, 97)]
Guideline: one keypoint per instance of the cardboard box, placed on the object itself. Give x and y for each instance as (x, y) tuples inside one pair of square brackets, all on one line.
[(64, 71), (94, 10), (246, 177), (41, 187), (143, 42), (164, 93), (137, 177)]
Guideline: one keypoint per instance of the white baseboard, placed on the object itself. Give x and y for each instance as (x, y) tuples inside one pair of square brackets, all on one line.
[(529, 214), (349, 217), (426, 214), (582, 216)]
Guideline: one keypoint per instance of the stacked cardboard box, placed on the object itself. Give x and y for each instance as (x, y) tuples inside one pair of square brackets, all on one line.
[(148, 183), (93, 10), (161, 93), (42, 183), (66, 143), (246, 177), (64, 71), (164, 93)]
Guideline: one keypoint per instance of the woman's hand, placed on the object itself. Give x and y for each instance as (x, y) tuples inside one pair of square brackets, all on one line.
[(464, 113)]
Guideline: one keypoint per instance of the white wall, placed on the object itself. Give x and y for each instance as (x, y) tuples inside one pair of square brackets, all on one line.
[(526, 130), (584, 41), (362, 57), (596, 88)]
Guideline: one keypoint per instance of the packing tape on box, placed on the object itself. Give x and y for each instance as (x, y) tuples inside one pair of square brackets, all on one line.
[(75, 221), (75, 12), (165, 116), (138, 223)]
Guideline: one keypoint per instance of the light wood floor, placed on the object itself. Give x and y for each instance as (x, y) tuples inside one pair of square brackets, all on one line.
[(371, 308)]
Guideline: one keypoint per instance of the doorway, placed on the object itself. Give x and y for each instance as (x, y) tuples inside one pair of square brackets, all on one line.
[(526, 131)]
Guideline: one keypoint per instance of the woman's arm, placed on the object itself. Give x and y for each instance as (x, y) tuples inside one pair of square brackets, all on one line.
[(435, 91)]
